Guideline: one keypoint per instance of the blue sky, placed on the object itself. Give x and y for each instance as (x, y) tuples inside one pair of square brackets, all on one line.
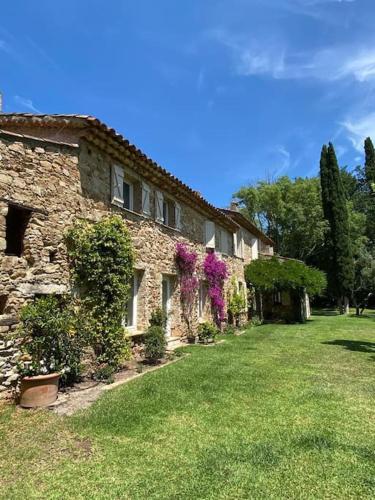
[(219, 92)]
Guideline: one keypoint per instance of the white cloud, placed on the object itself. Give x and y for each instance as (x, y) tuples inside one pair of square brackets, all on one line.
[(26, 103), (359, 128), (273, 58)]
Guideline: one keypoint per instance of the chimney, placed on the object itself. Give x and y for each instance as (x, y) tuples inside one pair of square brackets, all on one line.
[(234, 206)]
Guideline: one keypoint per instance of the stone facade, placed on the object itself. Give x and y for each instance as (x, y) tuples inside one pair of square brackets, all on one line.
[(52, 174)]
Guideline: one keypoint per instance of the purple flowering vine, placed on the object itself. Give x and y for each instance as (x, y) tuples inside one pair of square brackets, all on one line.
[(216, 273), (186, 261)]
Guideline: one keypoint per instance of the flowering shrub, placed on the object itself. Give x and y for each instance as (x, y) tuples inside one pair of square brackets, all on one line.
[(186, 262), (216, 273), (50, 342)]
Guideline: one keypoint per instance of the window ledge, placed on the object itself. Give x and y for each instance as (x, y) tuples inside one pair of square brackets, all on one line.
[(167, 227)]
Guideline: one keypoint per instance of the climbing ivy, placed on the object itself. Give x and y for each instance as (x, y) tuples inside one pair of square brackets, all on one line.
[(101, 258)]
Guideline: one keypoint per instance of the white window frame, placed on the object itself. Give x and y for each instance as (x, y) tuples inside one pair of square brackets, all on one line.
[(133, 326), (117, 188), (238, 241), (146, 202), (159, 199), (209, 234)]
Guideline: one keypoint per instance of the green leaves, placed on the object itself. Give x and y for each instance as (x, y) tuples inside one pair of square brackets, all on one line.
[(274, 274), (102, 262)]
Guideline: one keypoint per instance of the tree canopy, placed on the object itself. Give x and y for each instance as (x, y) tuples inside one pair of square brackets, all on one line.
[(276, 274)]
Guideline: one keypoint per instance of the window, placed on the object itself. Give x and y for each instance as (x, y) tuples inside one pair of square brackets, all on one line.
[(254, 248), (17, 220), (224, 243), (117, 185), (130, 320), (159, 206), (127, 195), (146, 199), (3, 303), (238, 244), (209, 234)]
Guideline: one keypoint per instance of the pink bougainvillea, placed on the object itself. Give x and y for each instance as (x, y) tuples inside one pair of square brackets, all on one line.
[(216, 273), (186, 262)]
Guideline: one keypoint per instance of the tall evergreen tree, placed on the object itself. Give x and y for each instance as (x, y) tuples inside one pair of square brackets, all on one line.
[(370, 190), (340, 266), (370, 163)]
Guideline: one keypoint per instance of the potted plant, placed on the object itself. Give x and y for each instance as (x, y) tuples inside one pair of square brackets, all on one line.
[(50, 350), (207, 333)]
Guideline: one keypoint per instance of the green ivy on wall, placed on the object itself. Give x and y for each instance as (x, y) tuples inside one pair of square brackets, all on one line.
[(102, 261)]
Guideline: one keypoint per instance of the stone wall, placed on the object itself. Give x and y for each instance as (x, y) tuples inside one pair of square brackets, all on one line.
[(59, 183)]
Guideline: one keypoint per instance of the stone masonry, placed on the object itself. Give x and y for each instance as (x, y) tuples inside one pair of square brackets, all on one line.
[(54, 182)]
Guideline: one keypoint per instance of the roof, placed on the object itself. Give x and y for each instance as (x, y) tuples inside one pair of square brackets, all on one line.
[(247, 224), (103, 136)]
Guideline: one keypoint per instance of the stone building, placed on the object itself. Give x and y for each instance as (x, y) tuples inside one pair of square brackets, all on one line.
[(57, 168)]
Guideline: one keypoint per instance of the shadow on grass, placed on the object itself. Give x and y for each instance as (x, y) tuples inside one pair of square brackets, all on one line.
[(325, 312), (354, 345)]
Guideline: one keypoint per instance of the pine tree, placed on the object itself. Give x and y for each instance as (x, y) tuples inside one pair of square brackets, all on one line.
[(340, 266)]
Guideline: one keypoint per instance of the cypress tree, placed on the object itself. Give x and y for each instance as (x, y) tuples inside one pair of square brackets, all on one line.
[(369, 162), (370, 190), (340, 266)]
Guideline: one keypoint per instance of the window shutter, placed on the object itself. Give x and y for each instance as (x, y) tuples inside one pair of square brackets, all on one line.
[(235, 249), (177, 209), (159, 199), (210, 234), (254, 249), (224, 242), (145, 199), (117, 185)]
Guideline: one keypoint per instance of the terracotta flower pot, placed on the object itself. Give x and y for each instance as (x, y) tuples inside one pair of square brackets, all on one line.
[(39, 391)]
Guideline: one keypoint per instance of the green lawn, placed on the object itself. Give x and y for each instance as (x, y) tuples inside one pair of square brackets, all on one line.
[(280, 412)]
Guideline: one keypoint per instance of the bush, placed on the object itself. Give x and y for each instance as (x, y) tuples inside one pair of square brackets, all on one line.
[(229, 330), (255, 321), (207, 332), (155, 343), (159, 318), (50, 342), (105, 373)]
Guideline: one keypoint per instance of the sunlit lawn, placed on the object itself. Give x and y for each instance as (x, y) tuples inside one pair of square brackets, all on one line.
[(280, 412)]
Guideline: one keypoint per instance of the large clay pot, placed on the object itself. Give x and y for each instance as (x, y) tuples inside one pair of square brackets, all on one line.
[(39, 391)]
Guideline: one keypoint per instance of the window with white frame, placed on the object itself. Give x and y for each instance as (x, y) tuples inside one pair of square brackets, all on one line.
[(130, 319), (209, 234), (121, 188), (146, 206)]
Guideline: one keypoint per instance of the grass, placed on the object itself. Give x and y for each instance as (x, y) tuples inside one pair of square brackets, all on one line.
[(281, 412)]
